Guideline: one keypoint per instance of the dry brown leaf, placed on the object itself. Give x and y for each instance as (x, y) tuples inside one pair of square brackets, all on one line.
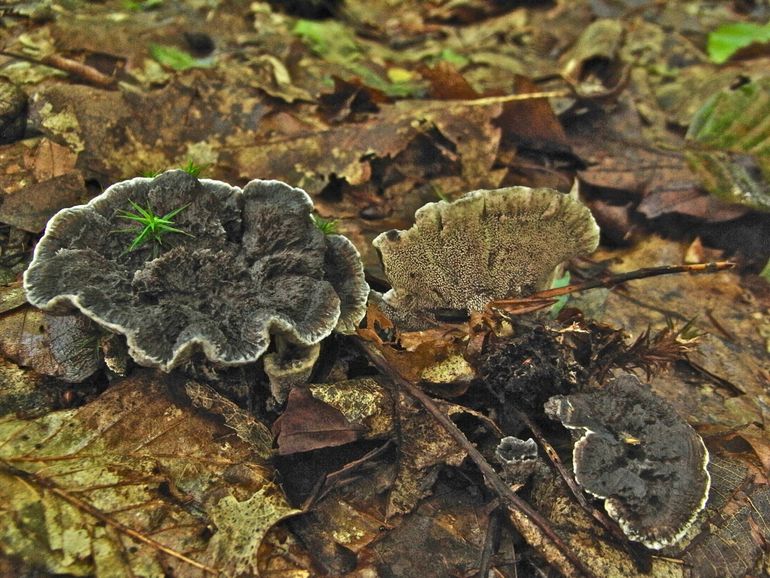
[(66, 346), (308, 424), (37, 179)]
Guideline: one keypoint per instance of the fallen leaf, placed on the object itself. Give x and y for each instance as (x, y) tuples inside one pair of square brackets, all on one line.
[(726, 144), (12, 297), (350, 99), (442, 537), (26, 393), (308, 424), (424, 447), (729, 38), (592, 65), (758, 440), (65, 346), (363, 402), (129, 484), (532, 123), (731, 550), (176, 58), (446, 83), (38, 177), (241, 527), (351, 151), (246, 425)]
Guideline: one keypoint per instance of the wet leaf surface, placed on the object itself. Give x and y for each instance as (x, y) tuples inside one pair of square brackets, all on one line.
[(722, 367)]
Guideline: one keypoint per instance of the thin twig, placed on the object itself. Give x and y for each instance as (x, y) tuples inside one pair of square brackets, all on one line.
[(546, 297), (721, 328), (72, 67), (555, 460), (511, 499), (102, 517), (488, 100)]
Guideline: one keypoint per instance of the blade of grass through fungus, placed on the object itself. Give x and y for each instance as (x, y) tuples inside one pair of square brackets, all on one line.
[(153, 226)]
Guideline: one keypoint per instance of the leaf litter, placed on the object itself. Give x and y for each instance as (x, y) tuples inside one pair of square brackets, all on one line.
[(339, 107), (137, 472)]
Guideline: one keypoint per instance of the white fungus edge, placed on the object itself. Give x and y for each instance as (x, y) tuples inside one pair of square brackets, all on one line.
[(182, 352), (624, 524)]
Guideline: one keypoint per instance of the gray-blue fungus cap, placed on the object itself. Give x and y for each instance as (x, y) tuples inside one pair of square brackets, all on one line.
[(250, 265)]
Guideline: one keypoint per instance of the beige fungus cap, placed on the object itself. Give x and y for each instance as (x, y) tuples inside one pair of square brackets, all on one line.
[(489, 244)]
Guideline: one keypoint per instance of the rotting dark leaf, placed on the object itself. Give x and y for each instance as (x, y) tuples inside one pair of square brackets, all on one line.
[(241, 527), (442, 537), (26, 393), (308, 423), (350, 101), (532, 124), (738, 544), (11, 297), (423, 448), (363, 402), (13, 112), (349, 151)]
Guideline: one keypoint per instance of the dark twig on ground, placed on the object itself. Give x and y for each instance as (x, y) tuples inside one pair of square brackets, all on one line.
[(495, 482), (84, 72), (545, 298)]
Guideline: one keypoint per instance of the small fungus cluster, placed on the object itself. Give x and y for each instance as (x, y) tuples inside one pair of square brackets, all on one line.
[(226, 272), (250, 268)]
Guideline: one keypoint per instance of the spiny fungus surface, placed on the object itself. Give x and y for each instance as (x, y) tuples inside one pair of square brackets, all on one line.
[(489, 244), (250, 265)]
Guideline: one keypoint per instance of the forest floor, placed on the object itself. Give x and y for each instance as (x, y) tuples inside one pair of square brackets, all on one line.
[(660, 111)]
